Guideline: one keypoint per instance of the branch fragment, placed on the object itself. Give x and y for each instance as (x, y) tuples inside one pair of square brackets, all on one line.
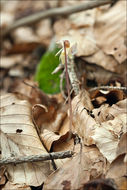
[(63, 11), (35, 158)]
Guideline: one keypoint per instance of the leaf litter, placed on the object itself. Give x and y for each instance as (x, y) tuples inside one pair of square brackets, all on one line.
[(34, 123)]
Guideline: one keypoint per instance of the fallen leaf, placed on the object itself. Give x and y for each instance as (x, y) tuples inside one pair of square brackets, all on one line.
[(109, 34), (24, 34), (122, 148), (19, 138), (77, 171), (118, 172), (2, 175), (102, 59), (83, 123), (10, 61), (15, 186), (100, 184), (107, 135)]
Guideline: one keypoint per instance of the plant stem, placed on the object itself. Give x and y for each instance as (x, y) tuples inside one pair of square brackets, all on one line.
[(68, 89)]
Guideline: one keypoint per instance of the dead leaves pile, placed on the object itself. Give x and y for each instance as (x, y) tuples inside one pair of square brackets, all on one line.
[(33, 123), (102, 132)]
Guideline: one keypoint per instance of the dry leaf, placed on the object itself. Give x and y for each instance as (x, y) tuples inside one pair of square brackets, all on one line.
[(109, 34), (77, 171), (2, 176), (101, 59), (25, 34), (111, 97), (122, 146), (100, 184), (19, 138), (15, 187), (107, 135), (106, 112), (8, 62), (118, 171), (44, 31), (55, 143), (83, 123)]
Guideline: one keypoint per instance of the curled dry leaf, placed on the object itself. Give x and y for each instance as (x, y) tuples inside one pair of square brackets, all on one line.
[(106, 112), (111, 97), (77, 171), (55, 114), (107, 135), (19, 138), (54, 142), (83, 123)]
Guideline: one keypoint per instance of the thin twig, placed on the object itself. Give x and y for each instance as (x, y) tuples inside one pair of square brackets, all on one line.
[(35, 158), (108, 87), (63, 11)]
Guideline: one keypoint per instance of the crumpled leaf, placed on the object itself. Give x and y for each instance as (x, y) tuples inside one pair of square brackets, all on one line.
[(107, 135), (111, 97), (19, 138), (56, 142)]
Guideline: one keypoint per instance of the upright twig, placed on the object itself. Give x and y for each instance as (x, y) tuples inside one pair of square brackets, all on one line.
[(68, 86)]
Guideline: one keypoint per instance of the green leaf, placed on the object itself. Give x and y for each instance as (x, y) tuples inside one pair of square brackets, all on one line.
[(49, 83)]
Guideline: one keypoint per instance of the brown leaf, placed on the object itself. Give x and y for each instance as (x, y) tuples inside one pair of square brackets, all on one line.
[(100, 184), (20, 48), (83, 123), (118, 172), (107, 135), (2, 176), (19, 138), (8, 62), (111, 97), (56, 142), (15, 186), (109, 34), (77, 171), (122, 146)]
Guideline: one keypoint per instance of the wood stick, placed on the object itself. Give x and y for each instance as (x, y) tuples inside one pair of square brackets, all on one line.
[(35, 158), (62, 11)]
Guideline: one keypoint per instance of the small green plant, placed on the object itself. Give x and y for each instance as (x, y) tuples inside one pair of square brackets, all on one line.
[(48, 82)]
